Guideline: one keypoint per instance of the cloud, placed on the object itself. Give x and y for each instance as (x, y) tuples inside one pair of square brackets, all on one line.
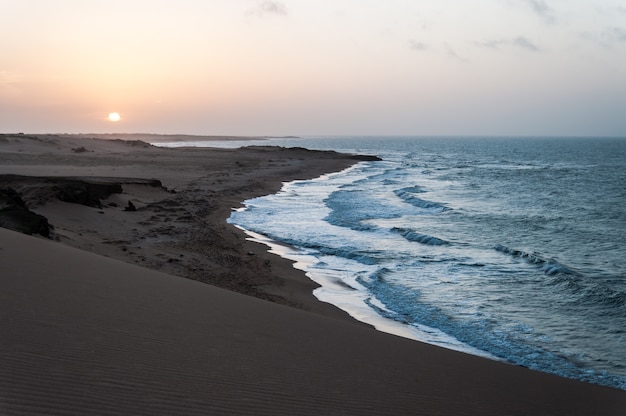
[(519, 42), (452, 54), (417, 46), (610, 37), (541, 8), (616, 34), (269, 7), (524, 43)]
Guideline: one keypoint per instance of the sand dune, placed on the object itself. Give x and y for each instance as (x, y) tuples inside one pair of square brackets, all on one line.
[(87, 334)]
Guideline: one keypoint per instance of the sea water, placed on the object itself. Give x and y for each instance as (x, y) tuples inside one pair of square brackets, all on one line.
[(511, 248)]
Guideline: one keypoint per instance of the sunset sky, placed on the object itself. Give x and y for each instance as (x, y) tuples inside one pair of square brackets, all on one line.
[(314, 67)]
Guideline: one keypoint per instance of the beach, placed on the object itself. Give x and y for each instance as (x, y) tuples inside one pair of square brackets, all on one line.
[(143, 300)]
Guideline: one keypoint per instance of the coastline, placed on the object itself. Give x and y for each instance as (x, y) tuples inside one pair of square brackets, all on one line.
[(353, 302), (180, 226), (82, 331)]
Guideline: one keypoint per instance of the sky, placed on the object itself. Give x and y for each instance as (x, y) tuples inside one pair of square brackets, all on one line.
[(314, 67)]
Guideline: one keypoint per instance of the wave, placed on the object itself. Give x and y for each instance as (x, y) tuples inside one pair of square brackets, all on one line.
[(410, 189), (351, 208), (414, 236), (596, 293), (548, 266), (405, 305), (372, 280), (408, 196), (581, 288), (363, 257), (351, 254)]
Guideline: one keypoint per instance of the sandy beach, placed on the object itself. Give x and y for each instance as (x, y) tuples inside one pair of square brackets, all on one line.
[(143, 300)]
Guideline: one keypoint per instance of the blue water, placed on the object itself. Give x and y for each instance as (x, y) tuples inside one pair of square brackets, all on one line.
[(513, 248)]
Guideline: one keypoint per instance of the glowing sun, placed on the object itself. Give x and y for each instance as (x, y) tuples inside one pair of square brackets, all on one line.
[(114, 117)]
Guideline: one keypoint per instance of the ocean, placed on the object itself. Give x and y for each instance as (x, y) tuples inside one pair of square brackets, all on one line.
[(509, 248)]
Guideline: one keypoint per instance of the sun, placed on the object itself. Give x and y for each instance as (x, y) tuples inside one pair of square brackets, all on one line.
[(114, 117)]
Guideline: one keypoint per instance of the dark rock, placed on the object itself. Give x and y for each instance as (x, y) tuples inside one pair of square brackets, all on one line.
[(84, 192), (15, 215), (10, 198), (366, 158), (130, 207)]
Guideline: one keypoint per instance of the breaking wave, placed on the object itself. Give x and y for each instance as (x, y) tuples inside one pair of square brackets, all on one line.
[(548, 266), (414, 236)]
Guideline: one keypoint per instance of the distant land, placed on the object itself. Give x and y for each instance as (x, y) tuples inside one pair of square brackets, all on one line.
[(162, 138)]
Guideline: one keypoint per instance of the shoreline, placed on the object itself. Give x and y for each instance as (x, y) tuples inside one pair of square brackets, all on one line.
[(111, 328), (352, 302)]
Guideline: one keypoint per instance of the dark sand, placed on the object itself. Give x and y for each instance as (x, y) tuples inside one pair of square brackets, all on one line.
[(101, 322)]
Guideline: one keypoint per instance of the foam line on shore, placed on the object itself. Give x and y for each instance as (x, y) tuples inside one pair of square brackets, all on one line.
[(354, 300)]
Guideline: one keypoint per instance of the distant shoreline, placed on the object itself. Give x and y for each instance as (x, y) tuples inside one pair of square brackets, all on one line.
[(160, 138)]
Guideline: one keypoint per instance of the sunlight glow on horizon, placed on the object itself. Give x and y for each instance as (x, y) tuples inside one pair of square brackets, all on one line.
[(300, 67)]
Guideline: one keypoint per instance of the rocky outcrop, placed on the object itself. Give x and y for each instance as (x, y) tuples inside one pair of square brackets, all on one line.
[(84, 192), (88, 191), (18, 193), (15, 215)]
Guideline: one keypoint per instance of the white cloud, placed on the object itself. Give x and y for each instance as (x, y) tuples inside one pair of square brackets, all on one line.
[(519, 42), (608, 38), (615, 34), (524, 43), (417, 46), (541, 8), (269, 7), (452, 54)]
